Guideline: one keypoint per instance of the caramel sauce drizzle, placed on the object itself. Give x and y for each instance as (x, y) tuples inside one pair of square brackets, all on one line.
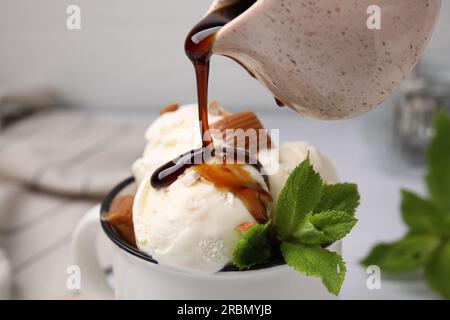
[(226, 177)]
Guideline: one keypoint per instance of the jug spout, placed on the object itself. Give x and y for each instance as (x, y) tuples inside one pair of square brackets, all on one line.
[(320, 57)]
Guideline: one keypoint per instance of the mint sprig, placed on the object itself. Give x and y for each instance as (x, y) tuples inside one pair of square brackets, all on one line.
[(325, 227), (316, 262), (342, 197), (253, 248), (405, 255), (437, 270), (308, 217), (300, 195), (438, 158), (427, 243)]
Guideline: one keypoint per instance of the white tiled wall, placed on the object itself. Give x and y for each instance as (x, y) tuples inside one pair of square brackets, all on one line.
[(128, 53)]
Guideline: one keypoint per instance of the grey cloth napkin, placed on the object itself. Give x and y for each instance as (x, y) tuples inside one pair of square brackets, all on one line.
[(16, 104), (35, 234), (54, 166), (71, 153)]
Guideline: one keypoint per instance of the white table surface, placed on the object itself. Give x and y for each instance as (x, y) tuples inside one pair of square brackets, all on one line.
[(358, 150)]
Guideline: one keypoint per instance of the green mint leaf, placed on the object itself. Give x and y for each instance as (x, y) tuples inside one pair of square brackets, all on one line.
[(340, 197), (316, 261), (309, 234), (438, 156), (334, 224), (252, 248), (437, 273), (406, 255), (325, 227), (300, 195), (422, 215), (377, 255)]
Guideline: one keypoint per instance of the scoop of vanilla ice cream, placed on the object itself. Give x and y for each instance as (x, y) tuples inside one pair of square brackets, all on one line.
[(190, 225), (288, 157), (171, 135)]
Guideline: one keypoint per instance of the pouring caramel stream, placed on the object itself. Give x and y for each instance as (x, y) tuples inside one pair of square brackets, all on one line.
[(226, 177)]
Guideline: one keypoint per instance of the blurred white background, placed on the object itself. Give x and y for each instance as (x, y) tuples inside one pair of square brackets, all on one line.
[(128, 54)]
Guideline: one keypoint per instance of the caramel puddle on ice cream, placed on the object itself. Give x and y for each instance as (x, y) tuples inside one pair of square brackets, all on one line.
[(227, 177), (235, 179)]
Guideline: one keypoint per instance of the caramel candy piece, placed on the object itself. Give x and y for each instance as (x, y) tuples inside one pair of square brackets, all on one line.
[(235, 179), (120, 216), (244, 226), (169, 108), (214, 107), (252, 131)]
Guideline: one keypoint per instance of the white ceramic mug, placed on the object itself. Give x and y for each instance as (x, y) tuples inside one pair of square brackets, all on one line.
[(322, 57), (136, 276)]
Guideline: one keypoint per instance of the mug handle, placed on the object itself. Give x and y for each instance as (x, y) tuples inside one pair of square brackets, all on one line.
[(93, 280)]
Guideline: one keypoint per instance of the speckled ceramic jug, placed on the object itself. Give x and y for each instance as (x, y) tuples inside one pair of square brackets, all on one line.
[(320, 57)]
